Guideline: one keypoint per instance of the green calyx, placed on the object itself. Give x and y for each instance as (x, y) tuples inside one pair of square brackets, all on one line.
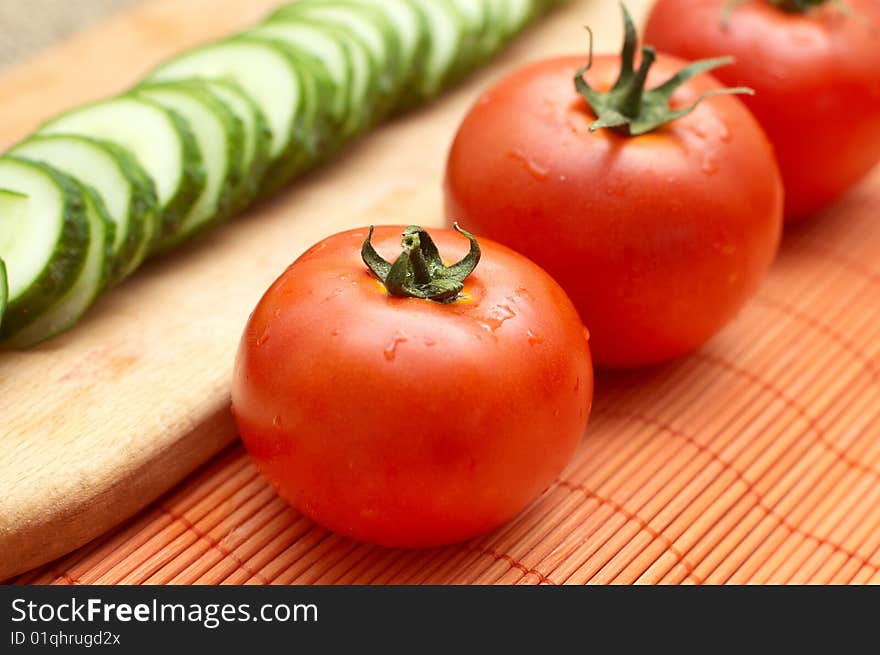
[(630, 109), (419, 272)]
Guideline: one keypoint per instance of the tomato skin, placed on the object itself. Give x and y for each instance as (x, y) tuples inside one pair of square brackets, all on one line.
[(406, 422), (816, 81), (658, 239)]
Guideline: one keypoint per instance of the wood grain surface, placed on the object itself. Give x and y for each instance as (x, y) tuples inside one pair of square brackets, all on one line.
[(100, 421)]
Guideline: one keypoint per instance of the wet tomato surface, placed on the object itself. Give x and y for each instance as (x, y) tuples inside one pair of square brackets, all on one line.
[(658, 238), (405, 421)]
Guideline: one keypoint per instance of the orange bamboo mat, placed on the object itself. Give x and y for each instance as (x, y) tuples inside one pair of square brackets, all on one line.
[(756, 460)]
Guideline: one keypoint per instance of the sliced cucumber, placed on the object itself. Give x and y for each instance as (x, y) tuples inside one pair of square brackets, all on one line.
[(372, 28), (161, 141), (320, 120), (92, 278), (265, 72), (310, 41), (257, 137), (130, 205), (101, 187), (410, 27), (363, 81), (4, 290), (496, 26), (220, 137), (408, 22), (446, 34), (474, 17), (518, 14), (44, 238)]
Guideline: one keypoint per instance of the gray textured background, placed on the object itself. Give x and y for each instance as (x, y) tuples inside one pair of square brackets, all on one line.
[(27, 26)]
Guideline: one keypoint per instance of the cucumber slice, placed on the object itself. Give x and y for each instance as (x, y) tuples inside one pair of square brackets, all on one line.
[(92, 278), (446, 34), (410, 27), (44, 238), (329, 53), (321, 116), (474, 16), (407, 21), (4, 290), (257, 136), (363, 82), (496, 21), (160, 140), (130, 205), (317, 134), (517, 14), (372, 28), (220, 137), (265, 73)]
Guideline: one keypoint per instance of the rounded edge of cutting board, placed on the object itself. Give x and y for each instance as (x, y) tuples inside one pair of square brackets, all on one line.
[(56, 531)]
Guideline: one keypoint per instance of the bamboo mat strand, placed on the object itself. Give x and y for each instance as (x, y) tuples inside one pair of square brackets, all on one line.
[(756, 460)]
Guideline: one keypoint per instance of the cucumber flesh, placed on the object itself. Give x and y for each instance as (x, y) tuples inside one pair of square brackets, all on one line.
[(219, 135), (496, 22), (474, 18), (329, 53), (160, 140), (518, 13), (44, 238), (371, 28), (445, 41), (257, 135), (129, 206), (265, 73), (363, 82), (407, 22), (409, 27), (65, 311)]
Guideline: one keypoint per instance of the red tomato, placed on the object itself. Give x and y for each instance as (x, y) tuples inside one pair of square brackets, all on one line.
[(658, 239), (410, 422), (816, 77)]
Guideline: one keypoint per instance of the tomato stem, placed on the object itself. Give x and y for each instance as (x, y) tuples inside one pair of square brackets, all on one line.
[(630, 109), (419, 272)]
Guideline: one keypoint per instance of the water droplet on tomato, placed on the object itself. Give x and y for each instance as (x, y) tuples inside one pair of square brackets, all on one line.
[(429, 341), (390, 351), (498, 315), (334, 332), (263, 339), (536, 170), (709, 166), (724, 134), (534, 339), (277, 421)]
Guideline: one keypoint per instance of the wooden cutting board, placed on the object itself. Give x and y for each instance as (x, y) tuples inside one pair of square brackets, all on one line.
[(99, 422)]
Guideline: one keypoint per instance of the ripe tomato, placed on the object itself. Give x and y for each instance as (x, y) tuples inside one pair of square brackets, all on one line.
[(658, 238), (404, 421), (817, 80)]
